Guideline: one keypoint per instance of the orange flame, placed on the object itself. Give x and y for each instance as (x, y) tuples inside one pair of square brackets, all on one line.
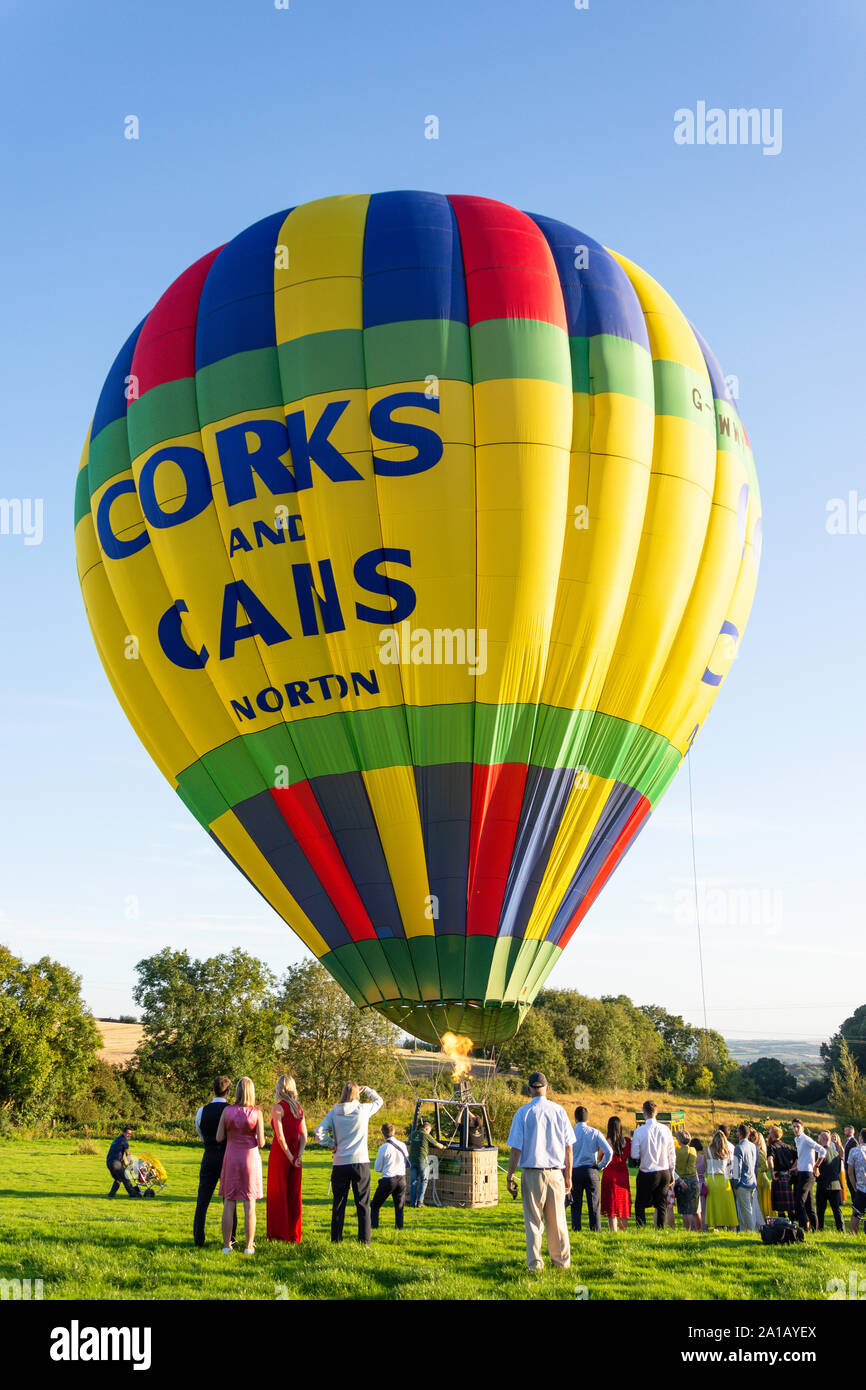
[(457, 1049)]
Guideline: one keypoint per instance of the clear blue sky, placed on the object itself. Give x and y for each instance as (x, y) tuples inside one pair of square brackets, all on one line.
[(245, 109)]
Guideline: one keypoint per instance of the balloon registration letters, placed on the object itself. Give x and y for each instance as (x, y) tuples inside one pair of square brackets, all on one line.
[(373, 409)]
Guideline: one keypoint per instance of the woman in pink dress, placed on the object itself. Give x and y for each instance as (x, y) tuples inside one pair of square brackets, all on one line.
[(243, 1128)]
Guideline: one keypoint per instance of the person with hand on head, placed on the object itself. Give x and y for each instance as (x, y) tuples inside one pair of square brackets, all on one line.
[(207, 1119), (391, 1160), (116, 1163), (284, 1208), (808, 1154), (540, 1142), (654, 1152), (344, 1130), (590, 1154)]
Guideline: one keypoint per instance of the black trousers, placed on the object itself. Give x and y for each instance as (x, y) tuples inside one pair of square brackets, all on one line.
[(651, 1190), (585, 1179), (208, 1177), (118, 1172), (356, 1176), (823, 1195), (804, 1184), (389, 1187)]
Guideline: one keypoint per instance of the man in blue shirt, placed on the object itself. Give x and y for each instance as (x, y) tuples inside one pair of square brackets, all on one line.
[(540, 1141), (117, 1165), (586, 1170)]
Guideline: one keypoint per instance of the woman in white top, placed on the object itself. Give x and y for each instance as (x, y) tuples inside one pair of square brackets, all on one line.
[(721, 1206)]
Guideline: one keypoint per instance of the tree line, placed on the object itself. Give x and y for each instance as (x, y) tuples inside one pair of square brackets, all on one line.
[(230, 1013)]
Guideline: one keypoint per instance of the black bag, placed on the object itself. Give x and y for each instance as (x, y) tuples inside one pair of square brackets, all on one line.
[(778, 1231)]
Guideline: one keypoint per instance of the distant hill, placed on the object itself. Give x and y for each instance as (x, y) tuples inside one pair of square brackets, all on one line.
[(803, 1058)]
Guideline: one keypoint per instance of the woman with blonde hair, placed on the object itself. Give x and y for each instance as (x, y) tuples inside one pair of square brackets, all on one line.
[(721, 1206), (765, 1182), (284, 1164), (243, 1128)]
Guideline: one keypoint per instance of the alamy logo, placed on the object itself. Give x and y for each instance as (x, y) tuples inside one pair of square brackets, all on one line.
[(77, 1343), (22, 1290), (22, 516), (738, 126), (418, 646)]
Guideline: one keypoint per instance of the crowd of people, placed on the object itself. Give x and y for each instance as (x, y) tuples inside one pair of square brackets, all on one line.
[(733, 1183)]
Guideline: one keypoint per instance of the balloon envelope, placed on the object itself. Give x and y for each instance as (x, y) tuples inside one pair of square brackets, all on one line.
[(416, 535)]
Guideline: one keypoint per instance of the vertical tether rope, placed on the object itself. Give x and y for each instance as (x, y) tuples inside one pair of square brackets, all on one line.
[(698, 919)]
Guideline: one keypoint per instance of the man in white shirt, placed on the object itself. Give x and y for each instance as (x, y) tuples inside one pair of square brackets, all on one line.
[(540, 1142), (654, 1151), (804, 1178), (344, 1129), (390, 1164)]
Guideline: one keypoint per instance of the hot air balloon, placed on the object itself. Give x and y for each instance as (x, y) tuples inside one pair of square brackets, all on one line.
[(431, 529)]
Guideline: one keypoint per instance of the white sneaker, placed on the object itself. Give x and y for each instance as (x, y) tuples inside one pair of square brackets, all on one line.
[(227, 1249)]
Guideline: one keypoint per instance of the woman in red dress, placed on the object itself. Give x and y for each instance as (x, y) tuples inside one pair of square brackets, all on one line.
[(284, 1164), (615, 1191)]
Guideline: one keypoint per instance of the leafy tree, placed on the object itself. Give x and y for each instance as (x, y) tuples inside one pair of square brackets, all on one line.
[(324, 1039), (853, 1033), (200, 1018), (535, 1047), (686, 1050), (105, 1102), (603, 1041), (48, 1040), (702, 1082), (772, 1078), (812, 1093), (847, 1096)]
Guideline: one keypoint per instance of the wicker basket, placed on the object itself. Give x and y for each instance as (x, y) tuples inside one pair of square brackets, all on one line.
[(469, 1178)]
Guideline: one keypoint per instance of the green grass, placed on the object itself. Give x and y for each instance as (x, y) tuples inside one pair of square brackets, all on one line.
[(58, 1226)]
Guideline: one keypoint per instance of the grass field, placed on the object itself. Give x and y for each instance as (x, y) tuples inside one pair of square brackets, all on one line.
[(59, 1227)]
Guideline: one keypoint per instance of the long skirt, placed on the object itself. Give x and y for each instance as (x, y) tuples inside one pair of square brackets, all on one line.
[(721, 1206), (782, 1196), (765, 1198)]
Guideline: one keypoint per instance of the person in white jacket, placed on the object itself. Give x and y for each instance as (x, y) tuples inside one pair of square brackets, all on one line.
[(344, 1130)]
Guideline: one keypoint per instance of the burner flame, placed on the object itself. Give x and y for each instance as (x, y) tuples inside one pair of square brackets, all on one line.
[(457, 1050)]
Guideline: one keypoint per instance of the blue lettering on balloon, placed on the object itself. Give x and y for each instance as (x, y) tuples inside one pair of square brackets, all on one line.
[(193, 466), (421, 438), (112, 545)]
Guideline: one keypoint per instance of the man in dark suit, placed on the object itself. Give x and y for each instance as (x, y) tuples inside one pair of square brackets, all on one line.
[(207, 1123)]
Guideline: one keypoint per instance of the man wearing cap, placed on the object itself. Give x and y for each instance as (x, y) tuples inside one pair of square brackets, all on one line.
[(540, 1142)]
